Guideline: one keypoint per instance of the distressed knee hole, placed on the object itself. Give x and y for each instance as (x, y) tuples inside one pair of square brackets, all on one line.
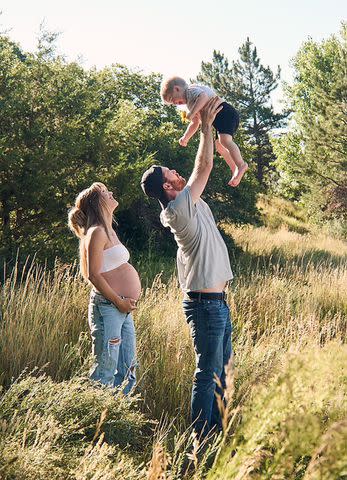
[(114, 341), (132, 373)]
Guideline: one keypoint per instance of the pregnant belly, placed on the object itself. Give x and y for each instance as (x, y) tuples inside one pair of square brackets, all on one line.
[(124, 280)]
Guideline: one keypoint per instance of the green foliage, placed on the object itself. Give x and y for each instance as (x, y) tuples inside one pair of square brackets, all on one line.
[(312, 156), (288, 151), (74, 429)]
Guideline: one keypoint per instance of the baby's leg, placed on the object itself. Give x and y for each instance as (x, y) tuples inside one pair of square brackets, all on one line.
[(224, 152), (227, 142)]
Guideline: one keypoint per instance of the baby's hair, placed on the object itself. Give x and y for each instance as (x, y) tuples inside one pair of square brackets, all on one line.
[(168, 85)]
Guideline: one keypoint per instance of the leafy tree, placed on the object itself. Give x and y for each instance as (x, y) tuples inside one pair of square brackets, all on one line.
[(318, 97), (288, 149), (218, 74)]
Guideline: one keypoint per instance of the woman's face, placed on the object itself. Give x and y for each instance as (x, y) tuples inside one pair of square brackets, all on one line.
[(107, 196)]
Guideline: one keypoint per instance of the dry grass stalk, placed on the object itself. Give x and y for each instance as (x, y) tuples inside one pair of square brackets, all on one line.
[(159, 463)]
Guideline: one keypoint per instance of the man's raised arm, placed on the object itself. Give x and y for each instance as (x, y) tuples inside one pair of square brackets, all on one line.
[(204, 158)]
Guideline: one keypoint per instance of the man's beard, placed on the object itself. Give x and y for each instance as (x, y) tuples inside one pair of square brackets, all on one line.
[(180, 184)]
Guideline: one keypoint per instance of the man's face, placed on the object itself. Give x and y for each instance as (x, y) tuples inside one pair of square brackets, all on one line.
[(174, 179)]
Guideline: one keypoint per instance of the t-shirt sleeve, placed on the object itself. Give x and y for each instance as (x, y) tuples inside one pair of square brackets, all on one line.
[(193, 93), (180, 211)]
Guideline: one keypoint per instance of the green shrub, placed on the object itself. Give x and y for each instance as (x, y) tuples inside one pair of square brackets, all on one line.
[(59, 430)]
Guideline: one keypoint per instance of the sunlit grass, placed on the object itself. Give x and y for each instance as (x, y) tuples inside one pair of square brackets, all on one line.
[(288, 298), (294, 424), (278, 213)]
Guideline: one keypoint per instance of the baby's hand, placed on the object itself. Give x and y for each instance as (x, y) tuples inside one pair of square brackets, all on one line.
[(183, 142)]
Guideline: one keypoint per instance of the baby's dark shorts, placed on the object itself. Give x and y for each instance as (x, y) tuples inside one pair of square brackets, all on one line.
[(227, 120)]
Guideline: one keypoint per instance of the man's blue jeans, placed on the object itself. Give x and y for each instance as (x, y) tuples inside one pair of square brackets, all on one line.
[(210, 325), (113, 343)]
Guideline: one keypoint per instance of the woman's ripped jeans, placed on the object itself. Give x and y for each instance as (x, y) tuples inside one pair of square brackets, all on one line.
[(113, 343)]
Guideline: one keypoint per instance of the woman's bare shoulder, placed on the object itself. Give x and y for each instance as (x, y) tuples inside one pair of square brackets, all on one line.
[(96, 233)]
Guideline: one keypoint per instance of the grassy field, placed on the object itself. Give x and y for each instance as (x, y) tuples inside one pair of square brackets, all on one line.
[(286, 412)]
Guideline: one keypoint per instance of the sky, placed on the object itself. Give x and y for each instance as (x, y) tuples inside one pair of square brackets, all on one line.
[(173, 37)]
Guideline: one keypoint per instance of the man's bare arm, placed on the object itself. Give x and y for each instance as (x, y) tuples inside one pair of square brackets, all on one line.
[(204, 158)]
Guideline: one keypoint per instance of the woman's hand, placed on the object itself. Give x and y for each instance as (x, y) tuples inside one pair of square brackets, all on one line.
[(183, 141), (126, 305)]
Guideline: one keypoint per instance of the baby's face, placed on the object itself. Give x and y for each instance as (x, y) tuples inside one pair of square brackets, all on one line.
[(178, 97)]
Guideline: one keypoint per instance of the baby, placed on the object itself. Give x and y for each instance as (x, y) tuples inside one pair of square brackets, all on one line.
[(175, 91)]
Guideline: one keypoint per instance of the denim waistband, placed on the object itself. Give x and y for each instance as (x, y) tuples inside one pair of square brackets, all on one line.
[(95, 293), (199, 296)]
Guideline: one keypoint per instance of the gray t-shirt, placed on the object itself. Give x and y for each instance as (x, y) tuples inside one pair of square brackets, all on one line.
[(202, 256), (193, 91)]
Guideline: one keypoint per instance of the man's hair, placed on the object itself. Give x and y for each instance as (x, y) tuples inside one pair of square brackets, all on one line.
[(152, 183), (168, 84)]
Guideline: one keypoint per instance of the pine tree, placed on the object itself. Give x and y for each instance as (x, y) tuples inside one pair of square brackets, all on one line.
[(218, 75)]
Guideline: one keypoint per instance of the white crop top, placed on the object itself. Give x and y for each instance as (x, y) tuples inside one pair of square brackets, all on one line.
[(114, 257)]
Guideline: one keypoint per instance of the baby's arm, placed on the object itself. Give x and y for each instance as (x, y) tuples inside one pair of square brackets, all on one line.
[(198, 105), (191, 129)]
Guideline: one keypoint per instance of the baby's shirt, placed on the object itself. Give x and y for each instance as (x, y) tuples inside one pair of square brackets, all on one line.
[(193, 91)]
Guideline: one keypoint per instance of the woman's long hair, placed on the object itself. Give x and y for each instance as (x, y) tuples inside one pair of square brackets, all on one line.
[(89, 210)]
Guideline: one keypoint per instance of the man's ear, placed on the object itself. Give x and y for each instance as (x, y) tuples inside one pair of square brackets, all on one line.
[(167, 186)]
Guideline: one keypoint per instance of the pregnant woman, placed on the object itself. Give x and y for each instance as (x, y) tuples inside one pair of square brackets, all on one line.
[(116, 287)]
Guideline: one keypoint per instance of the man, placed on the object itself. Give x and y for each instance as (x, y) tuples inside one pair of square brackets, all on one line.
[(203, 270)]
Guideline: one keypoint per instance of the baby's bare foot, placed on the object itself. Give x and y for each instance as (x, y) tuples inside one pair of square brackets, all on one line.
[(237, 176)]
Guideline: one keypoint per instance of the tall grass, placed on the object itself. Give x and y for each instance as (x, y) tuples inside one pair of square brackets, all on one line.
[(278, 213), (69, 430), (295, 427), (288, 298), (43, 320)]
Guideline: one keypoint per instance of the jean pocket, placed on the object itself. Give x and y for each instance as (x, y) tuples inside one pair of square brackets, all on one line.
[(215, 315)]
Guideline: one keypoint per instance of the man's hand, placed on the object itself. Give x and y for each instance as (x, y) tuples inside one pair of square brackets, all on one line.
[(183, 141), (209, 112)]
